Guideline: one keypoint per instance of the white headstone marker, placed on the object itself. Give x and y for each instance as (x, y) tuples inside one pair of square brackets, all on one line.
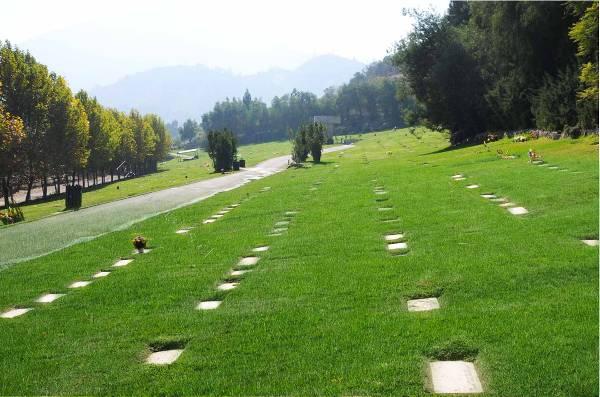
[(261, 249), (591, 243), (472, 186), (15, 312), (248, 261), (227, 286), (101, 274), (517, 210), (393, 237), (209, 221), (48, 298), (208, 305), (422, 305), (454, 377), (164, 357), (397, 246), (122, 262), (80, 284)]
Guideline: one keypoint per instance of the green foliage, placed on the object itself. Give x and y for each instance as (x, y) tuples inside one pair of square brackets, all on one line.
[(222, 149), (308, 139), (500, 65), (367, 102), (315, 138), (68, 135), (189, 130), (585, 34), (300, 148), (554, 104)]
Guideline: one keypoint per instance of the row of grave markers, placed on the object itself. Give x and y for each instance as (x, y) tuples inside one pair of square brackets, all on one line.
[(51, 297), (245, 264), (446, 376), (504, 202)]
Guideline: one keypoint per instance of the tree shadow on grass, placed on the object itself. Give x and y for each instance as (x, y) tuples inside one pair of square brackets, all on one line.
[(450, 148)]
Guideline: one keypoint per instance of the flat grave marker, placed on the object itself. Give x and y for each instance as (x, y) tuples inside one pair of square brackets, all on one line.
[(101, 274), (397, 246), (422, 305), (80, 284), (261, 248), (517, 210), (208, 305), (591, 243), (454, 377), (48, 298), (12, 313), (227, 286), (164, 357), (472, 186), (393, 237), (248, 261), (122, 262)]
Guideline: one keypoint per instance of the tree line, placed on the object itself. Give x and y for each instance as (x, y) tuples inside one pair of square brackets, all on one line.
[(52, 137), (487, 66), (369, 101)]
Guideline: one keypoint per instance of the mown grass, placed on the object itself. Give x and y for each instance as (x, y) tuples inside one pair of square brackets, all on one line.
[(170, 173), (324, 311)]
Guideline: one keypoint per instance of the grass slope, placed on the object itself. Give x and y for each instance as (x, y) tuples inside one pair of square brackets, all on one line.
[(324, 311), (170, 173)]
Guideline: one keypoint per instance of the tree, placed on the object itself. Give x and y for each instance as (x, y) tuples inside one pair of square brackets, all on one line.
[(585, 34), (315, 137), (308, 139), (189, 130), (145, 142), (162, 137), (300, 148), (222, 149), (12, 137), (101, 130)]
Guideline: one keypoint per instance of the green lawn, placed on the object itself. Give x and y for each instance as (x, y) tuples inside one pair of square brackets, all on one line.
[(171, 173), (324, 311)]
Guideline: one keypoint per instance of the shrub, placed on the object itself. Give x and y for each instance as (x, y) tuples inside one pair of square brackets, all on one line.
[(308, 139), (222, 149), (315, 136), (300, 148)]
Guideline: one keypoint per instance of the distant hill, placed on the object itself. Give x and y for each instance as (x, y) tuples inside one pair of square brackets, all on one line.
[(181, 92)]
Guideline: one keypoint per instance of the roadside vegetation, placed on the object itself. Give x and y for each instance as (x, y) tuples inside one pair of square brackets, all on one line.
[(169, 174)]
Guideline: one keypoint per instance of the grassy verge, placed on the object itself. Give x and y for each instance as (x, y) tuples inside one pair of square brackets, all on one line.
[(170, 173), (324, 311)]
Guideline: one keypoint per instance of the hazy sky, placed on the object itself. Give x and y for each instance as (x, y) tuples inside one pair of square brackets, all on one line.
[(97, 42)]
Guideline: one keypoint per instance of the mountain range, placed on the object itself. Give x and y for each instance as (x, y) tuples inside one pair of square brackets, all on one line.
[(181, 92)]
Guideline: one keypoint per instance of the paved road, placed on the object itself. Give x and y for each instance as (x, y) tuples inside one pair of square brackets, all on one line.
[(32, 239)]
